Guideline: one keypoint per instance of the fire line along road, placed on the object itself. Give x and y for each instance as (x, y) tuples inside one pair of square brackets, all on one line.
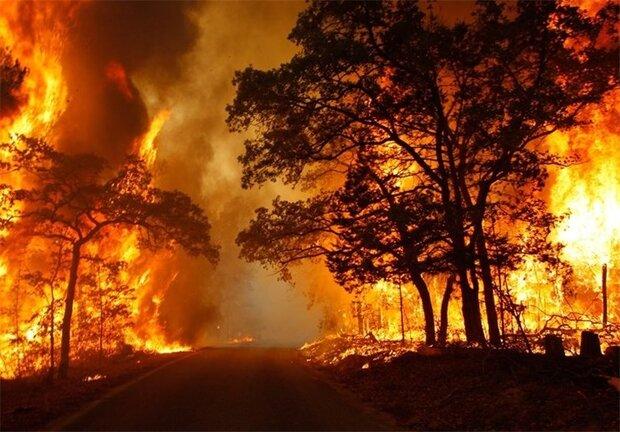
[(228, 389)]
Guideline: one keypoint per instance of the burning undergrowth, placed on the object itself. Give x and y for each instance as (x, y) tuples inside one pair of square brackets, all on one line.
[(465, 389), (347, 349), (105, 79), (67, 72)]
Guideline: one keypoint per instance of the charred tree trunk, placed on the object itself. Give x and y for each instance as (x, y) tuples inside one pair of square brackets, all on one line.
[(357, 308), (443, 315), (502, 308), (52, 308), (101, 322), (402, 314), (471, 311), (590, 344), (427, 306), (488, 289), (63, 367), (101, 333), (553, 346), (604, 292), (52, 329), (472, 318), (476, 290), (470, 306)]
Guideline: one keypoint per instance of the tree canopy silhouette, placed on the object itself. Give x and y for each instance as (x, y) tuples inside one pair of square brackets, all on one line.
[(367, 231), (12, 75), (468, 103), (74, 199)]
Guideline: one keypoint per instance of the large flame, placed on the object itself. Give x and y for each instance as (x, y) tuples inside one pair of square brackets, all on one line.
[(33, 34), (587, 196), (590, 191)]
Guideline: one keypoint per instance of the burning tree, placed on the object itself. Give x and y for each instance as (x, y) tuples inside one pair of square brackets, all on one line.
[(106, 301), (368, 231), (12, 75), (47, 284), (469, 104), (74, 200)]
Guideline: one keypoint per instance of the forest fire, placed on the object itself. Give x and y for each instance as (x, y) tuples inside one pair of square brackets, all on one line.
[(587, 196), (425, 193), (30, 34), (533, 298), (549, 263)]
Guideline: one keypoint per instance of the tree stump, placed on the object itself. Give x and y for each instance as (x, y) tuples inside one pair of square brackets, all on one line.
[(613, 352), (553, 346), (590, 344)]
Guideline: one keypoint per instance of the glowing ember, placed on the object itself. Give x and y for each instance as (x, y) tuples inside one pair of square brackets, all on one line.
[(241, 340), (95, 377)]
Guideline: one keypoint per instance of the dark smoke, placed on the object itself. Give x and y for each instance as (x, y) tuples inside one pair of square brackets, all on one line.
[(137, 35), (181, 57)]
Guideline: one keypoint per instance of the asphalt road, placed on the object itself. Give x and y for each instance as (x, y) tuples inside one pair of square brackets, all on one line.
[(228, 389)]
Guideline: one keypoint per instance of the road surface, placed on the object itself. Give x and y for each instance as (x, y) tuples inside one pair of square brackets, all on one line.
[(228, 389)]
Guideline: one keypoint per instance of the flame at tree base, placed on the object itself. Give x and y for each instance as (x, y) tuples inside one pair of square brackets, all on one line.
[(34, 34)]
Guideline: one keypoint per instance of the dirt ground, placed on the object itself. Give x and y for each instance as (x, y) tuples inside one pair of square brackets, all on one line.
[(32, 403), (453, 389), (469, 389)]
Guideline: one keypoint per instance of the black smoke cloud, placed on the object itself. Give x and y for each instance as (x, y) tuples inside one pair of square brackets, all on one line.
[(105, 115), (182, 57), (100, 118)]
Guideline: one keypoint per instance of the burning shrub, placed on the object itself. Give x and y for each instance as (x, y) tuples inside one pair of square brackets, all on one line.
[(77, 202)]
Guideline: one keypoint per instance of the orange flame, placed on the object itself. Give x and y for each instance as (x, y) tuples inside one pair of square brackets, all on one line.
[(146, 144), (115, 72), (33, 33)]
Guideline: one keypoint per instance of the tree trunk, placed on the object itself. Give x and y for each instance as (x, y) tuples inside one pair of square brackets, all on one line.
[(553, 346), (402, 314), (472, 319), (52, 365), (427, 306), (100, 318), (488, 288), (53, 314), (358, 314), (604, 291), (63, 367), (443, 317), (100, 336)]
